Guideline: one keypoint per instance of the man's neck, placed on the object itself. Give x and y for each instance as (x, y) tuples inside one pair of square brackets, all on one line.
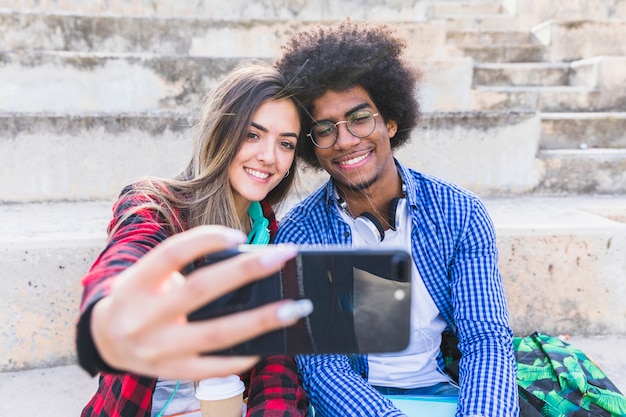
[(374, 199)]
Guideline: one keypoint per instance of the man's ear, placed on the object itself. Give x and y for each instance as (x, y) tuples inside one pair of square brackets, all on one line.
[(392, 128)]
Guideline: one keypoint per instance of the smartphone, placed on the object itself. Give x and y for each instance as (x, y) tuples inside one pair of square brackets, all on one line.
[(361, 299)]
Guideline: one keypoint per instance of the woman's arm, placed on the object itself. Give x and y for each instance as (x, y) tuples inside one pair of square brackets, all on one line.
[(135, 302)]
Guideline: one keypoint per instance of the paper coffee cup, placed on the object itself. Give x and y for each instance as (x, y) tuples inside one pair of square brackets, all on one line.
[(221, 397)]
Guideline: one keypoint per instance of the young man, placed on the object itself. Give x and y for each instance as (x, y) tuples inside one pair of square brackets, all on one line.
[(361, 98)]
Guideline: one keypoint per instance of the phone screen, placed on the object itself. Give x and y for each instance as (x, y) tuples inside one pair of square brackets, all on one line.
[(361, 299)]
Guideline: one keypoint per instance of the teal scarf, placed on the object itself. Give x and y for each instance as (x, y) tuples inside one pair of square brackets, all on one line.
[(260, 234)]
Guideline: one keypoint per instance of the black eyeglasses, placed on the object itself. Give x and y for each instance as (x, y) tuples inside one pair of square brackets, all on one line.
[(361, 123)]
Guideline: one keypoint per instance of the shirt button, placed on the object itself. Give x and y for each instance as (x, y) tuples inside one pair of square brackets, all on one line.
[(346, 234)]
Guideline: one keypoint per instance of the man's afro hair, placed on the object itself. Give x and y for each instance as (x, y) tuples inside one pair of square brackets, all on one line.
[(345, 55)]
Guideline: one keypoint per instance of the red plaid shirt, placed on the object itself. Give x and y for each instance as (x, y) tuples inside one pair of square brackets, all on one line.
[(272, 385)]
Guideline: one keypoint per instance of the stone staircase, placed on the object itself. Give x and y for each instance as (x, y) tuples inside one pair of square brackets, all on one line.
[(523, 105)]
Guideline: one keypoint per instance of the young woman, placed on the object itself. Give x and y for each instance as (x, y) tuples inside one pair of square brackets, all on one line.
[(243, 164)]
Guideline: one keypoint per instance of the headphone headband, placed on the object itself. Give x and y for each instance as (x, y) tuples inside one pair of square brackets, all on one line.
[(368, 226)]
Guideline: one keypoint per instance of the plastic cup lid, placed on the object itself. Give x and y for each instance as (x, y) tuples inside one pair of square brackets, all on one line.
[(219, 388)]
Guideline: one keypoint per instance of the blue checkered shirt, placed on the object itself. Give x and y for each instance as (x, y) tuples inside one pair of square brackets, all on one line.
[(454, 249)]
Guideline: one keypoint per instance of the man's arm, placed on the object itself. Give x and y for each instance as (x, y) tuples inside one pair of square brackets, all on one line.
[(335, 389), (487, 368)]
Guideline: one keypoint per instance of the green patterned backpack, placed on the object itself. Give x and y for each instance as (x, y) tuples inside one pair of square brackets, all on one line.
[(559, 380)]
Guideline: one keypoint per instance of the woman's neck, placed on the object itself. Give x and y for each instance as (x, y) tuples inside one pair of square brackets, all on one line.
[(242, 207)]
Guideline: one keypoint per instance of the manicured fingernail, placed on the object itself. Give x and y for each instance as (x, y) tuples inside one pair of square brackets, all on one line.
[(294, 310), (278, 254), (234, 236)]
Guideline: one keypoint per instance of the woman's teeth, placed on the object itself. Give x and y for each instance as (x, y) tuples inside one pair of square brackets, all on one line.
[(257, 174)]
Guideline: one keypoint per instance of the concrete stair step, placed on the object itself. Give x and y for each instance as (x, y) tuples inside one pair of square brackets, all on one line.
[(489, 38), (231, 10), (35, 81), (596, 84), (583, 171), (45, 258), (542, 74), (66, 389), (535, 12), (502, 21), (56, 156), (444, 9), (501, 53), (157, 35), (48, 157), (546, 99), (583, 130), (571, 40), (52, 157), (175, 36), (571, 246), (490, 153), (91, 82), (558, 256)]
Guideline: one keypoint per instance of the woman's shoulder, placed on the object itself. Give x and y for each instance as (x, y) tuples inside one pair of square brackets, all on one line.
[(145, 200), (270, 215)]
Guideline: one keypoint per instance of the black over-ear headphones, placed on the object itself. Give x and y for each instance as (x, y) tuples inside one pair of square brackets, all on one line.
[(367, 224)]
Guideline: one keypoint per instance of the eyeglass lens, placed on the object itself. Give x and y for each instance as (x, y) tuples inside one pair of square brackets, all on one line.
[(361, 123)]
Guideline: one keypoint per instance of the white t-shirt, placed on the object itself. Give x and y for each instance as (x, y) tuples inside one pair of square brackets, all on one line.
[(183, 401), (416, 366)]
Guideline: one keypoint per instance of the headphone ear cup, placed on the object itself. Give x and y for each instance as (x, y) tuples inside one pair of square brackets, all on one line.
[(393, 209), (369, 227), (396, 207)]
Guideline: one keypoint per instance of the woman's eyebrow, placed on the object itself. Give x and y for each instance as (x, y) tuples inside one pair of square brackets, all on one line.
[(258, 126), (264, 129)]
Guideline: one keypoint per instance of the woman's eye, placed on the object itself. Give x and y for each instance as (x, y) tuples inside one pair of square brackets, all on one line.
[(252, 135), (288, 145)]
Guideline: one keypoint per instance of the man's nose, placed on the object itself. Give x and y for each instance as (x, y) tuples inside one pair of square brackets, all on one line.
[(345, 138)]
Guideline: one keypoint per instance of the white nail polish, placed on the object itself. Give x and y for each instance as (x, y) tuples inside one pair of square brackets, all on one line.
[(294, 310), (278, 254)]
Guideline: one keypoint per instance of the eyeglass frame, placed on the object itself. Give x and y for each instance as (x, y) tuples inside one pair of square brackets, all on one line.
[(335, 124)]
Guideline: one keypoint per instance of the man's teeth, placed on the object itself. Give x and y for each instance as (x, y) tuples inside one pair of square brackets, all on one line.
[(257, 174), (354, 160)]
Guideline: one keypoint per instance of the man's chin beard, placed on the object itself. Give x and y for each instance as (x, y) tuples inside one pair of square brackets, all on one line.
[(356, 187)]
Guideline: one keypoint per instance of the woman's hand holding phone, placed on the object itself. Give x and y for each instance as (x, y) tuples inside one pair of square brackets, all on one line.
[(142, 326)]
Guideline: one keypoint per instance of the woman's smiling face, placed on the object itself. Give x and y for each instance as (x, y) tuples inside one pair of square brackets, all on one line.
[(266, 153)]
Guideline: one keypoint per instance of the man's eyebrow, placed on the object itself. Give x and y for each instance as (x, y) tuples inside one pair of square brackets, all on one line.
[(355, 108), (264, 129), (348, 112)]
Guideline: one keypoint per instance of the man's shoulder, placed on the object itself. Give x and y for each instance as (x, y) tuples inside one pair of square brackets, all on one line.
[(430, 187), (306, 218), (313, 202)]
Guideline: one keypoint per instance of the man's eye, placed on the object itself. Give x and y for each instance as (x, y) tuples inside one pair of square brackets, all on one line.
[(324, 130), (359, 118)]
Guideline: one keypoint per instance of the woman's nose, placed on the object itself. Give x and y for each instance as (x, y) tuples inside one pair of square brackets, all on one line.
[(267, 153)]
